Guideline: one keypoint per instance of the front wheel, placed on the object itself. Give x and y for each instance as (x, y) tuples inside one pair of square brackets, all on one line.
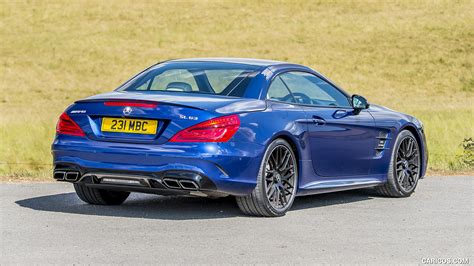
[(100, 196), (276, 183), (405, 167)]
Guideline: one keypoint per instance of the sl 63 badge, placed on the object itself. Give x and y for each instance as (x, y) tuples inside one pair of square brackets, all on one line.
[(188, 117)]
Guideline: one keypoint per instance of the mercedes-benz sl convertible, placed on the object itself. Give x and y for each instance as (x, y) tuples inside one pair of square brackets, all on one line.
[(262, 131)]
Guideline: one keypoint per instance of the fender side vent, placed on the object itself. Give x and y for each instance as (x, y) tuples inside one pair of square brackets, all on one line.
[(382, 139)]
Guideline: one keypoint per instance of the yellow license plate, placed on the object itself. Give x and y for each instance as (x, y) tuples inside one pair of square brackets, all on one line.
[(125, 125)]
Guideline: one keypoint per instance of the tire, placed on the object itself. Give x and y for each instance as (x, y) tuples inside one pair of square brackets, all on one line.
[(276, 183), (100, 196), (403, 172)]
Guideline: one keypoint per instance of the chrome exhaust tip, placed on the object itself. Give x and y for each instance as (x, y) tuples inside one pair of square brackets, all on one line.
[(188, 185), (71, 176), (171, 183), (59, 175)]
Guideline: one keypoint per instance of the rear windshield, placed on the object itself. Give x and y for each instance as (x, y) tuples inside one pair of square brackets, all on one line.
[(215, 78)]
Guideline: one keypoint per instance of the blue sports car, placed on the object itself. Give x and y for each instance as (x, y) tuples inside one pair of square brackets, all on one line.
[(262, 131)]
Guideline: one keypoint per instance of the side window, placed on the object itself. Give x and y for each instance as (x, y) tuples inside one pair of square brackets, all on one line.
[(279, 92), (310, 89)]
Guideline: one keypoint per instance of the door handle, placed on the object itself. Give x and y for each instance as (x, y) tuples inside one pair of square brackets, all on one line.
[(318, 120)]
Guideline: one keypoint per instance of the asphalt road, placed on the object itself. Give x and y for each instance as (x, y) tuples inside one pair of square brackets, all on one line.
[(46, 223)]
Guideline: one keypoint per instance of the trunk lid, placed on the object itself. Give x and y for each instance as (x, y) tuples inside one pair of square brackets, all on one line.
[(172, 113)]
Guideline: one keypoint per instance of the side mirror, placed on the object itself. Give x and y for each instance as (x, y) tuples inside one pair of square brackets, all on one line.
[(359, 103)]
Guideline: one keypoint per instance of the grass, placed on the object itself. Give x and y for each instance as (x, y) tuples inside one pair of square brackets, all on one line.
[(413, 56)]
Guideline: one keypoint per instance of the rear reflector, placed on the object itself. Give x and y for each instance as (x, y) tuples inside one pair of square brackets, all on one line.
[(67, 126), (131, 104), (219, 129)]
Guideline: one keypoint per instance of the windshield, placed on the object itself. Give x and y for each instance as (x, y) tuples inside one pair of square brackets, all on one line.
[(216, 78)]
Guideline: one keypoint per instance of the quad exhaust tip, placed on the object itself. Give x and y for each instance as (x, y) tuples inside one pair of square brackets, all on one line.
[(171, 183), (67, 176), (59, 175), (180, 184), (71, 176), (188, 184)]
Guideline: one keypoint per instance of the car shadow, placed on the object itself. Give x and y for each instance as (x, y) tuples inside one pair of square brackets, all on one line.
[(176, 207)]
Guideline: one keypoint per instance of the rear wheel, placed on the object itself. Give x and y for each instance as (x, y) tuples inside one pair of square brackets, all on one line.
[(404, 169), (100, 196), (276, 183)]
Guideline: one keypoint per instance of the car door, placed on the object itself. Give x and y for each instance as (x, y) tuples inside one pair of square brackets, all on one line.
[(342, 142)]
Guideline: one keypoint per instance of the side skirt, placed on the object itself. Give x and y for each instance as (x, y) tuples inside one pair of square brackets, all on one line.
[(326, 186)]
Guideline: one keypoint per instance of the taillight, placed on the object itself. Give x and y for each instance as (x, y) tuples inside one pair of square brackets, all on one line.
[(219, 129), (131, 104), (67, 126)]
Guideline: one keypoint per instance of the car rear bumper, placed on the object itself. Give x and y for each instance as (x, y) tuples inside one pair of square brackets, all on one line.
[(217, 168)]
